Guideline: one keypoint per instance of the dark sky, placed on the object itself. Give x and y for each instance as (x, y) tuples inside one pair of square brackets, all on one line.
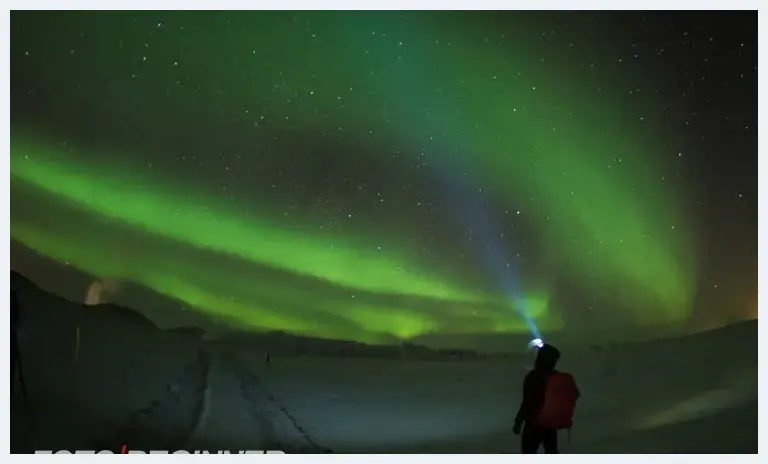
[(385, 175)]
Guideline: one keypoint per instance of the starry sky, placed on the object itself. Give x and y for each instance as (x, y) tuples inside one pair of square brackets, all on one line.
[(378, 176)]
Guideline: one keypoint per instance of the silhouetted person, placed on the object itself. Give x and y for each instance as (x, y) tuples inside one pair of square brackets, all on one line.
[(544, 386), (14, 339)]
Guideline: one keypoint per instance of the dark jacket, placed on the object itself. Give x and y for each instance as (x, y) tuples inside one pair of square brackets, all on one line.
[(535, 385)]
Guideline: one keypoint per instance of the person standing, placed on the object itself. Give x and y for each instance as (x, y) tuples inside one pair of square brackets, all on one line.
[(549, 401)]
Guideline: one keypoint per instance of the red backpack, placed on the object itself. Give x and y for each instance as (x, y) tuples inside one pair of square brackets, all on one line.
[(559, 402)]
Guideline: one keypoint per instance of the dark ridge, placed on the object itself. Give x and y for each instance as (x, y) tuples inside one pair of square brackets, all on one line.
[(29, 292)]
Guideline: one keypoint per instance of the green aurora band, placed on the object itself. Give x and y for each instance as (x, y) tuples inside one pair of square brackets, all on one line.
[(392, 296), (515, 127)]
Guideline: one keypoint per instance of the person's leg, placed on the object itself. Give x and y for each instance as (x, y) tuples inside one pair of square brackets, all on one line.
[(549, 440), (531, 440)]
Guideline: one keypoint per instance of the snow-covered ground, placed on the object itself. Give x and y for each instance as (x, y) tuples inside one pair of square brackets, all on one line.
[(123, 381)]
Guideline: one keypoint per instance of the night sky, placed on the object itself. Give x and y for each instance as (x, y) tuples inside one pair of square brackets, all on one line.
[(382, 175)]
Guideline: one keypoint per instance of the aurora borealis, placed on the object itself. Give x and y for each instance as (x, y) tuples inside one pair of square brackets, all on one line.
[(369, 176)]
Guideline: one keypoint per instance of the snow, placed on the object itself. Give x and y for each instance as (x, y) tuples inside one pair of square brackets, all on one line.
[(131, 383)]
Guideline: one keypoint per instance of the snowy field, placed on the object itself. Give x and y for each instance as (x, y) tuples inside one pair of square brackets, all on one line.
[(103, 377)]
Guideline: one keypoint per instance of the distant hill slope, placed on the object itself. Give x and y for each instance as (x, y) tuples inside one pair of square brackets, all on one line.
[(51, 311)]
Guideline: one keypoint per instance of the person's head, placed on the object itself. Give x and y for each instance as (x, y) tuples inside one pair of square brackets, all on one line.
[(547, 357)]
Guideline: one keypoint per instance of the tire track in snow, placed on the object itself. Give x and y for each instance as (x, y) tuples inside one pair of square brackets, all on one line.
[(287, 434)]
